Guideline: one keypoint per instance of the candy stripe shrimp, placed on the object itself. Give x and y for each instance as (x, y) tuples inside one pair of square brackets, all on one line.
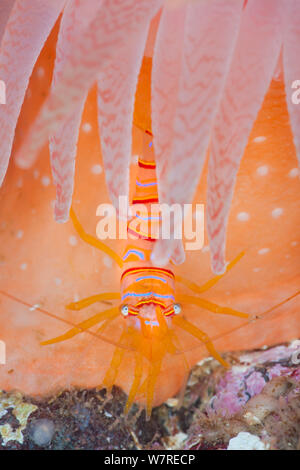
[(150, 309)]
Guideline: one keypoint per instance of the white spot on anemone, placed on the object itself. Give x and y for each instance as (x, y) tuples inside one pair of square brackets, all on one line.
[(73, 240), (45, 181), (294, 243), (243, 216), (277, 212), (40, 71), (294, 172), (262, 170), (256, 270), (96, 169), (19, 234), (259, 139), (107, 261), (263, 251), (23, 266), (86, 127), (58, 281)]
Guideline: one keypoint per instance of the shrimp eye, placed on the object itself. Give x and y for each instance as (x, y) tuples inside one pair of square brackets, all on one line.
[(124, 310), (177, 309)]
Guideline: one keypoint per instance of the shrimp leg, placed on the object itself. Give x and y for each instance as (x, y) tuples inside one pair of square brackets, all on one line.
[(112, 371), (203, 337), (199, 289), (207, 305), (136, 382), (93, 241), (92, 300), (86, 324)]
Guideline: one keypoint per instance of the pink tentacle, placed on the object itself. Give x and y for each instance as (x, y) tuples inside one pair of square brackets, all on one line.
[(26, 32), (116, 94), (5, 9), (252, 68), (63, 149), (165, 250), (178, 255), (167, 61), (184, 106), (210, 33), (111, 29), (291, 55), (63, 145)]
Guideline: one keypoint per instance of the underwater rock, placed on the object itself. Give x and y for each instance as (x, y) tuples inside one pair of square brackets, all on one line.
[(245, 441), (215, 412), (260, 396), (42, 432)]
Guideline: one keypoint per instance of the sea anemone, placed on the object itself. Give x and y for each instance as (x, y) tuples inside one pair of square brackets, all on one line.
[(213, 62)]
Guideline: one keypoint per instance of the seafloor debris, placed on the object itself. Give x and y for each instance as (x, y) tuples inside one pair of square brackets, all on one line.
[(255, 405)]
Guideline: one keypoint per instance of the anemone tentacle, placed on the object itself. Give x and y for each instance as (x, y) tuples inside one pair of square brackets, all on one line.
[(63, 145), (184, 108), (291, 48), (26, 31), (5, 9), (166, 69), (207, 50), (251, 72), (116, 93), (111, 28)]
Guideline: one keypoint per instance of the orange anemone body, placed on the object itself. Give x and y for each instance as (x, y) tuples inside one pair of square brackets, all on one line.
[(46, 266)]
